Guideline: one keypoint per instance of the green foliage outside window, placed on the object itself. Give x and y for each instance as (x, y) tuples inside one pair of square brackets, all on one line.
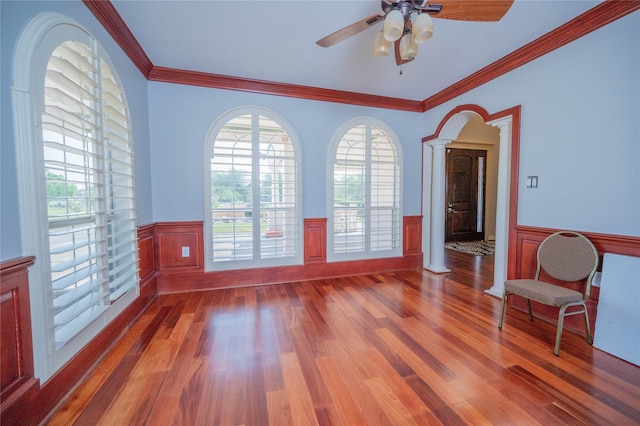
[(57, 187), (230, 187), (349, 190)]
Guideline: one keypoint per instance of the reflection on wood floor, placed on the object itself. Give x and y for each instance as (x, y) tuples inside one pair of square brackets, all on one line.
[(407, 347)]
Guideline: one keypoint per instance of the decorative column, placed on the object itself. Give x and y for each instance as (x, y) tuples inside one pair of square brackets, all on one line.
[(502, 207), (438, 182), (427, 165)]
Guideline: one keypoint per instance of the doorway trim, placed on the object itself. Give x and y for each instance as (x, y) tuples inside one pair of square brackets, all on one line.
[(433, 181)]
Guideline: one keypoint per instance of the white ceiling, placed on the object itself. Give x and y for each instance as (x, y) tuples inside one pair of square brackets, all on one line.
[(274, 40)]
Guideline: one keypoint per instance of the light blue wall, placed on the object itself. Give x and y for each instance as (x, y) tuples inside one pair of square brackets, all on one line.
[(181, 117), (580, 130), (14, 15)]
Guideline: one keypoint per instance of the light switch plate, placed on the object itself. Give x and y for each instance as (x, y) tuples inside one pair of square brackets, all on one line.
[(185, 251)]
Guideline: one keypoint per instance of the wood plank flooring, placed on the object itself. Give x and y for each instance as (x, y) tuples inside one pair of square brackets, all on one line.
[(407, 347)]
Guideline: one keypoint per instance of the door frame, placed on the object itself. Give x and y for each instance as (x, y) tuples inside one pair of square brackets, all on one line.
[(433, 197), (477, 197)]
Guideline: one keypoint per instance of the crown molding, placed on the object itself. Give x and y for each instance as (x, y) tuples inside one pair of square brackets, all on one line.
[(217, 81), (596, 17), (111, 20)]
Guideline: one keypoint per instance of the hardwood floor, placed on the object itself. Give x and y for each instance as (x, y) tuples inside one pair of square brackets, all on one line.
[(384, 349)]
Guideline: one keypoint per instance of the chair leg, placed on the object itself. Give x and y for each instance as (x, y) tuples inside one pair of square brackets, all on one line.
[(504, 302), (556, 350), (587, 327), (529, 308)]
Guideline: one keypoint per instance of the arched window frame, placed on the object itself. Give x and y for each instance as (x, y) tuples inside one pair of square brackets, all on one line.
[(38, 40), (293, 234), (372, 244)]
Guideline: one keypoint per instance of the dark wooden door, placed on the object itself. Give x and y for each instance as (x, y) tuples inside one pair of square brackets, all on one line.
[(466, 171)]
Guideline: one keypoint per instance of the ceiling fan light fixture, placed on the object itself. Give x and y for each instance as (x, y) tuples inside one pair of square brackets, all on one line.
[(393, 25), (413, 17), (422, 28), (408, 49), (381, 46)]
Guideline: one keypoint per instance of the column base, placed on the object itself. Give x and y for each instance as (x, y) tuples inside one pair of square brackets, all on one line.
[(437, 269), (495, 292)]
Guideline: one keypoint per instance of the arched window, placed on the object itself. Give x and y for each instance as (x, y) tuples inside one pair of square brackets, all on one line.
[(76, 183), (252, 192), (364, 193)]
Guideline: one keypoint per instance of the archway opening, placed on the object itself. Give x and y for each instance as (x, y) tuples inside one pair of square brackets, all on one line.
[(434, 149)]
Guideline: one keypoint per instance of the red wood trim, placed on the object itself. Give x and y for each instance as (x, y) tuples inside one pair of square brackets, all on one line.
[(33, 403), (315, 240), (18, 381), (171, 237), (597, 17), (170, 282), (604, 243), (529, 239), (460, 108), (19, 264), (146, 251), (177, 278), (52, 392), (144, 230), (515, 113), (111, 20), (217, 81), (412, 235)]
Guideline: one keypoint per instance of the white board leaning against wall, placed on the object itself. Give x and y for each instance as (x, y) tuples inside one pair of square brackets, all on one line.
[(618, 322)]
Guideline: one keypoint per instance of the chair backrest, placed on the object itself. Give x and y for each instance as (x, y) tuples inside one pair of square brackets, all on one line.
[(568, 256)]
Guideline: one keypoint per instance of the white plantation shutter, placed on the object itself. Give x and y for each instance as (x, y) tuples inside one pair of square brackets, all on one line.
[(232, 191), (350, 192), (365, 193), (254, 212), (278, 192), (88, 169), (385, 221), (122, 235)]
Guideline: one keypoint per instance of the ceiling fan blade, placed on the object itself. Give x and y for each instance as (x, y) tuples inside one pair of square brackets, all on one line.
[(349, 31), (472, 10)]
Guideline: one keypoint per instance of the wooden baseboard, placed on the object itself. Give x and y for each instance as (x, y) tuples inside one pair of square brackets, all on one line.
[(33, 402), (180, 274), (68, 377), (174, 282)]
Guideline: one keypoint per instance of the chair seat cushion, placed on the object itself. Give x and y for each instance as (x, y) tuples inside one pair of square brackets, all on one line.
[(542, 292)]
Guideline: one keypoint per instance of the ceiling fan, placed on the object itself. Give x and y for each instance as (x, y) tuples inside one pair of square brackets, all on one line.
[(407, 23)]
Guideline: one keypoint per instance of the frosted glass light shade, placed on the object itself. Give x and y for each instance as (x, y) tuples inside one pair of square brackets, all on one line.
[(381, 46), (422, 29), (408, 49), (393, 25)]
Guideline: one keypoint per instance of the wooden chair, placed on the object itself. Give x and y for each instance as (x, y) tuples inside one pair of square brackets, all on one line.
[(565, 256)]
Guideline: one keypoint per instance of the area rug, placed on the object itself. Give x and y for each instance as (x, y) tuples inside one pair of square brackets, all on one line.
[(475, 248)]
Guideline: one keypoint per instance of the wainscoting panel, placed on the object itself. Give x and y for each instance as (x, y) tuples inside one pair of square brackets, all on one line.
[(17, 381), (146, 251), (529, 239), (177, 275), (24, 400), (315, 240), (172, 238), (412, 235)]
